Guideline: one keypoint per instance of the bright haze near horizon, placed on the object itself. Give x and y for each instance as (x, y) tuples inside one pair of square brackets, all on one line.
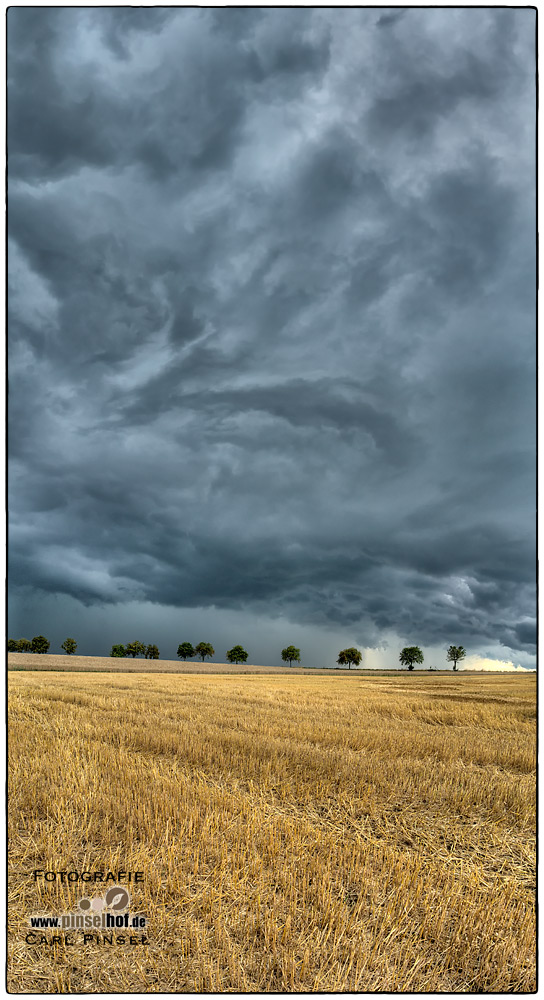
[(271, 342)]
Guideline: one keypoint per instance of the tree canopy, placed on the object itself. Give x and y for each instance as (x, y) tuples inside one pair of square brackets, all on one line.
[(69, 646), (152, 653), (454, 654), (117, 650), (411, 655), (204, 649), (40, 644), (135, 648), (291, 654), (185, 650), (349, 656), (236, 655)]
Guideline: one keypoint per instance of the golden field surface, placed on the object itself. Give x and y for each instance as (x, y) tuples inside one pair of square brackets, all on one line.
[(296, 833), (122, 664)]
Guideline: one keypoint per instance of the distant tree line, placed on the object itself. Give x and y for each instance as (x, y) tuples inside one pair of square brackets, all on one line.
[(134, 649), (39, 644), (408, 656), (186, 650)]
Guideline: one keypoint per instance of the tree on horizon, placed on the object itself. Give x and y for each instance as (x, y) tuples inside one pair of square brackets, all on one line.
[(349, 656), (454, 654), (69, 646), (135, 648), (291, 654), (411, 655), (236, 655), (185, 650), (204, 649), (40, 644)]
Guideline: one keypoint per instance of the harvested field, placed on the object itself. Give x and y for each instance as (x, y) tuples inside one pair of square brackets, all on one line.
[(306, 833), (121, 664), (111, 664)]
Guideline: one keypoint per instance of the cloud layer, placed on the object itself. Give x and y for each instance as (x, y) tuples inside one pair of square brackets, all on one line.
[(272, 315)]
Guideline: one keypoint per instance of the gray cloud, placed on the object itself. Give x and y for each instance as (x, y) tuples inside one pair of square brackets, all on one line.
[(271, 316)]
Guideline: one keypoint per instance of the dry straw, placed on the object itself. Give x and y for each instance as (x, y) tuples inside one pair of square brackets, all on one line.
[(297, 834)]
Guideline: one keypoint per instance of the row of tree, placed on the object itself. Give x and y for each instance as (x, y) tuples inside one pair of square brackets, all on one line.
[(235, 655), (186, 650), (39, 644), (409, 656), (136, 648)]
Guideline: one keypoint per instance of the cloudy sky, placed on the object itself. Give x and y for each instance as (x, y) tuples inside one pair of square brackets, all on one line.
[(272, 329)]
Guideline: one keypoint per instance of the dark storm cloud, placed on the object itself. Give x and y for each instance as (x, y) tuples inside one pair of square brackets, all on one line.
[(271, 322)]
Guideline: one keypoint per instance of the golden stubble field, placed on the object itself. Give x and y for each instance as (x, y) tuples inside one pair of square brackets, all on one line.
[(112, 664), (296, 833)]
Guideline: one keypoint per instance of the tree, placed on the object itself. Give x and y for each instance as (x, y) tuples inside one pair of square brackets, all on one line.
[(411, 655), (236, 655), (118, 650), (134, 648), (204, 649), (40, 644), (185, 650), (290, 653), (69, 646), (349, 656), (454, 654), (24, 646), (152, 653), (13, 646)]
